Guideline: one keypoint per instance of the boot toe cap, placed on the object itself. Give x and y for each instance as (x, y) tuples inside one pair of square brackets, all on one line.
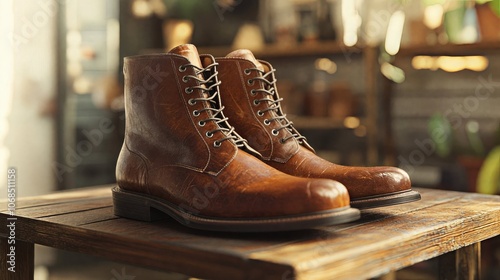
[(395, 179), (326, 194), (378, 181)]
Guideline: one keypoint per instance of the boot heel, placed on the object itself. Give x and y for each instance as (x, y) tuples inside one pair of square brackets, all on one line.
[(134, 206)]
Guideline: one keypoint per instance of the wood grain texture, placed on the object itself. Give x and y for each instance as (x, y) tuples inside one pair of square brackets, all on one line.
[(394, 242), (382, 240), (59, 197)]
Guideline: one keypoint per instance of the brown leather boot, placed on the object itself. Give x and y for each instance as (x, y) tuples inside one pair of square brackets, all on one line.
[(182, 158), (248, 91)]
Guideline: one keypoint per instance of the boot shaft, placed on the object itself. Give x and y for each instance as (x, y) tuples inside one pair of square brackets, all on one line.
[(252, 104), (169, 117)]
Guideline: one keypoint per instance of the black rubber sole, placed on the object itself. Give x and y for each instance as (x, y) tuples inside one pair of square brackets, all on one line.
[(386, 200), (147, 208)]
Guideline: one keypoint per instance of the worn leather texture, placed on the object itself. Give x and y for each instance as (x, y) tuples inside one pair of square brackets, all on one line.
[(292, 156), (168, 154), (243, 112)]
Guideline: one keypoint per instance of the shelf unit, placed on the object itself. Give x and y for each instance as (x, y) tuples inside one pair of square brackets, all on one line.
[(283, 51), (478, 48), (78, 114), (301, 122), (450, 49)]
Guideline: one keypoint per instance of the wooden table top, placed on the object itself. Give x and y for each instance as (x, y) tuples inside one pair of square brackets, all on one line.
[(384, 239)]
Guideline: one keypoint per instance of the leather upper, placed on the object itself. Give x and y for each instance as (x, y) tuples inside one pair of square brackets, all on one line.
[(161, 125), (241, 109), (292, 156), (167, 153)]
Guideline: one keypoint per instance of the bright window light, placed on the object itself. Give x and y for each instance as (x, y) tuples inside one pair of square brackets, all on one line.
[(351, 21), (6, 78), (450, 63), (394, 32)]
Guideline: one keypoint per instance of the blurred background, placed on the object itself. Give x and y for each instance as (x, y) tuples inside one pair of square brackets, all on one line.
[(409, 83)]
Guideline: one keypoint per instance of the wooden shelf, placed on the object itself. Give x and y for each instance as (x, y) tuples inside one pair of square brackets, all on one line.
[(336, 48), (302, 122), (299, 49), (451, 49)]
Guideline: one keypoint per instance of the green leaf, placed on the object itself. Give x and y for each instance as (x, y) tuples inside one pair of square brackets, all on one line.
[(495, 6)]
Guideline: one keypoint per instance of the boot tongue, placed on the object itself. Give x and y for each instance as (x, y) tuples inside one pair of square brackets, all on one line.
[(248, 55), (190, 52)]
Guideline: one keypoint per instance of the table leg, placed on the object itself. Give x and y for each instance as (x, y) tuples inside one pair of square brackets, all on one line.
[(16, 264), (464, 263)]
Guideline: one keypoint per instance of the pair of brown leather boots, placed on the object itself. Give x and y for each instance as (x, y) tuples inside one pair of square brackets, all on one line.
[(207, 143)]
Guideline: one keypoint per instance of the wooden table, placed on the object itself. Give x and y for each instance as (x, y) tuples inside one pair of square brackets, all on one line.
[(443, 223)]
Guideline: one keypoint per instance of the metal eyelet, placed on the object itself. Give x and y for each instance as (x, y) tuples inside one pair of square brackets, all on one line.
[(275, 132), (250, 82), (182, 68), (247, 71), (196, 113), (217, 144), (191, 102), (202, 123), (209, 134), (253, 92), (188, 90), (267, 122), (256, 102), (260, 113), (185, 79)]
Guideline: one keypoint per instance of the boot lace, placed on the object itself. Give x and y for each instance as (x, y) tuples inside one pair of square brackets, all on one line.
[(274, 101), (208, 84)]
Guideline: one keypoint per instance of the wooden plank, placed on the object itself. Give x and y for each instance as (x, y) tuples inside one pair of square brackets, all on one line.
[(58, 197), (64, 207), (140, 250), (392, 243), (23, 259), (83, 217)]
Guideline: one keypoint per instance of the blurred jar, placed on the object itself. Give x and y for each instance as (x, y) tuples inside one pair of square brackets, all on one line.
[(341, 101), (317, 99)]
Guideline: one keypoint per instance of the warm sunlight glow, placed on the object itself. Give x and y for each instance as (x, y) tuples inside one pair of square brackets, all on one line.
[(351, 122), (392, 72), (326, 65), (351, 22), (394, 32), (141, 8), (6, 77), (450, 63), (433, 16)]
